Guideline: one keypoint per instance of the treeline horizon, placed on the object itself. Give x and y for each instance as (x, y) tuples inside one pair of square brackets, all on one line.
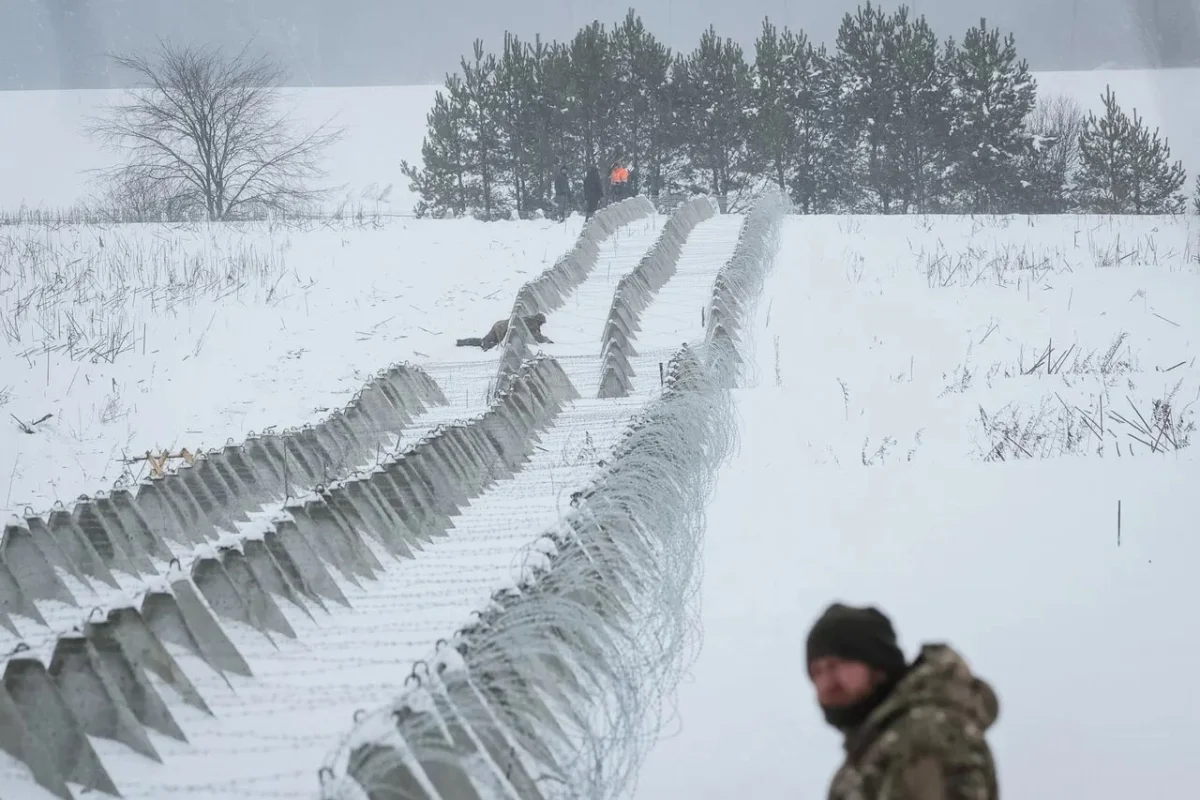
[(891, 119)]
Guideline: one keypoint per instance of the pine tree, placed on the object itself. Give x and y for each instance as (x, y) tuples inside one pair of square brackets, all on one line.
[(642, 110), (994, 94), (592, 95), (1051, 161), (868, 104), (822, 182), (556, 109), (713, 97), (1196, 199), (922, 115), (1125, 167), (516, 97), (484, 162), (776, 102), (795, 124), (441, 184), (547, 99)]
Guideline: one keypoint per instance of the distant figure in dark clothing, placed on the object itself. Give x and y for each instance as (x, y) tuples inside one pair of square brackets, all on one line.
[(593, 191), (496, 335), (562, 192)]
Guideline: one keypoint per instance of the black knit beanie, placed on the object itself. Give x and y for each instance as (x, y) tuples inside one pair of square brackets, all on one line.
[(864, 635)]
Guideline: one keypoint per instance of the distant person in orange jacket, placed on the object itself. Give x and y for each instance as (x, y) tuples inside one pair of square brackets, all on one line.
[(618, 181)]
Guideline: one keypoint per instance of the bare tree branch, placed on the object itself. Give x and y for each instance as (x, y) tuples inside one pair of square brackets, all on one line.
[(1060, 119), (204, 132)]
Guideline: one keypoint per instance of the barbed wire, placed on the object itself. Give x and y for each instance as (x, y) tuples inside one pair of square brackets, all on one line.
[(560, 685)]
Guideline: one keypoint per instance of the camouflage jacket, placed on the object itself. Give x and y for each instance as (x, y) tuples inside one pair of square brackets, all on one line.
[(498, 331), (926, 740)]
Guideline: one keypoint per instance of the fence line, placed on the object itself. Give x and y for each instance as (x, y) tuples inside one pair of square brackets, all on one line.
[(596, 570), (92, 681), (127, 528), (637, 289), (552, 691), (550, 290)]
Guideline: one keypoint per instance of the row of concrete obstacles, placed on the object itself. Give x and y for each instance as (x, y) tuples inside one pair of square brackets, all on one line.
[(486, 721), (127, 530), (95, 683), (498, 710), (740, 282), (637, 289), (550, 290)]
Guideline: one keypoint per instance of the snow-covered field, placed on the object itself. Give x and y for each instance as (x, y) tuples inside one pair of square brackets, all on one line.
[(146, 337), (302, 321), (925, 432), (1062, 566), (995, 338)]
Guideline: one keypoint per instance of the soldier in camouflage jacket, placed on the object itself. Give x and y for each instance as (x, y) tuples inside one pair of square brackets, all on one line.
[(912, 732), (499, 330)]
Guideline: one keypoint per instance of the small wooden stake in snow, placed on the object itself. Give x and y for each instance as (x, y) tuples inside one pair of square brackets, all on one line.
[(1118, 523), (661, 376), (701, 316), (287, 491)]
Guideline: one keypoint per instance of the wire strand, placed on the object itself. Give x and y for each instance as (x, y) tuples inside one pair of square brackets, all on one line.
[(559, 687)]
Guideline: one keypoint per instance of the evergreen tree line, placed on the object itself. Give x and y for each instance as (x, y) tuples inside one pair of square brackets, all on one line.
[(892, 120)]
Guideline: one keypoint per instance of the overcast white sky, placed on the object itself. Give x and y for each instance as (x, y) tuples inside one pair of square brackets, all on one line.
[(58, 43)]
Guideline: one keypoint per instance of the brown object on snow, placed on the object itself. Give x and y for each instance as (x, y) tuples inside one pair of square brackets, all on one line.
[(498, 331)]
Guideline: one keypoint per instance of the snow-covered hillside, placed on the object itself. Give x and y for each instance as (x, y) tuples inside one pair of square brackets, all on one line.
[(138, 338), (989, 429), (952, 417), (986, 425), (143, 337)]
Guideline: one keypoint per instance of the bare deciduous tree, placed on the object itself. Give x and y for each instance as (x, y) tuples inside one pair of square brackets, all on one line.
[(207, 130), (1060, 119), (1054, 126), (133, 196)]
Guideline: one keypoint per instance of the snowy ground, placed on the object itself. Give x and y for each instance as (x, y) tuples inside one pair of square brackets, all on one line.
[(936, 351), (384, 125), (269, 732), (1064, 574), (999, 338), (148, 337)]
